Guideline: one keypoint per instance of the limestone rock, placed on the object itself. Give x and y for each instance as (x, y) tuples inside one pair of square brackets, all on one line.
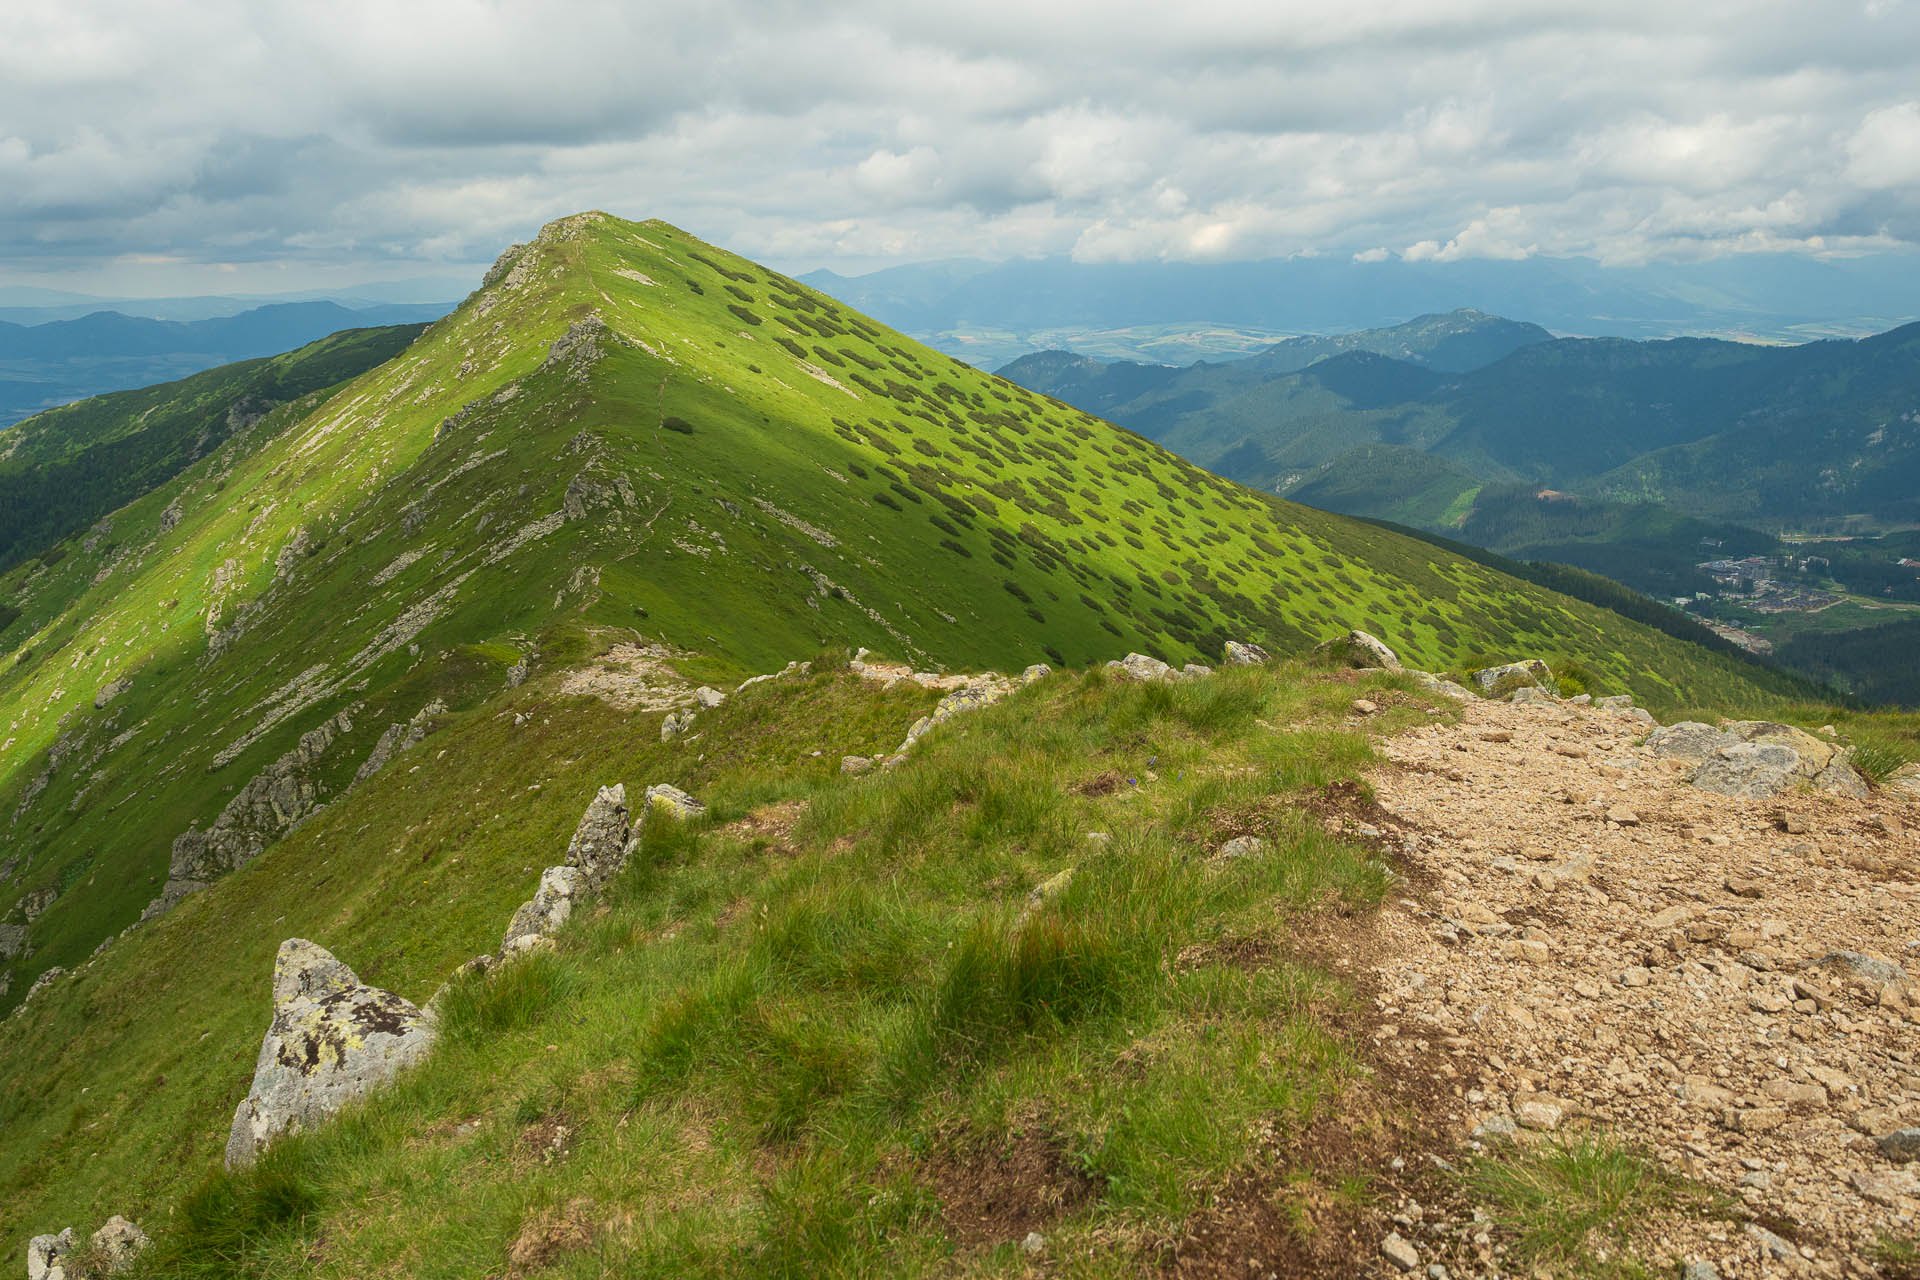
[(561, 889), (708, 696), (1359, 650), (1239, 654), (117, 1243), (1754, 759), (674, 801), (1500, 682), (1138, 666), (47, 1256), (675, 724), (599, 843), (396, 738), (332, 1040)]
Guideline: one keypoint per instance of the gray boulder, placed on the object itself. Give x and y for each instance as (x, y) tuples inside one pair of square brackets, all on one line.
[(561, 889), (1038, 671), (1245, 655), (333, 1039), (1243, 847), (599, 844), (1359, 650), (1434, 684), (1138, 666), (675, 724), (708, 696), (1904, 781), (1754, 759), (1532, 694), (1194, 671), (1500, 682), (118, 1243)]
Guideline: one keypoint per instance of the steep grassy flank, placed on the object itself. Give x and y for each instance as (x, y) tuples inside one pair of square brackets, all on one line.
[(1391, 482), (793, 1032), (63, 469), (627, 427)]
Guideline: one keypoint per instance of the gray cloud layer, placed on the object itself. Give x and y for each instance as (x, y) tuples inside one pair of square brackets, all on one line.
[(309, 136)]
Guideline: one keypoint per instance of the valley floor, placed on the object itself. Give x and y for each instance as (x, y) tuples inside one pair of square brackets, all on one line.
[(1597, 955)]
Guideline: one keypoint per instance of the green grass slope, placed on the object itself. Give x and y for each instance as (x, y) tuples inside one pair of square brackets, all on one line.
[(63, 469), (627, 427)]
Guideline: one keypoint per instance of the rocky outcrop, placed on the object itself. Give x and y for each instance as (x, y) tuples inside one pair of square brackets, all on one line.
[(13, 941), (675, 724), (1501, 681), (396, 738), (1359, 650), (578, 349), (599, 845), (268, 807), (973, 693), (1445, 688), (35, 904), (708, 697), (561, 888), (111, 690), (331, 1041), (1754, 759)]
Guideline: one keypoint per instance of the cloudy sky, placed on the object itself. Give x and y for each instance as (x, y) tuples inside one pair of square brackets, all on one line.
[(151, 146)]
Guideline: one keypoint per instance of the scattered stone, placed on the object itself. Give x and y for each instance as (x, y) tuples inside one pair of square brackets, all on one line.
[(332, 1040), (1770, 1244), (1638, 976), (1753, 1119), (1677, 914), (855, 765), (1364, 707), (1741, 887), (1615, 702), (47, 1256), (674, 801), (1432, 683), (599, 844), (1900, 1146), (1621, 816), (1359, 650), (1034, 1245), (1699, 1271), (1886, 1187), (1499, 682), (1243, 847), (1540, 1112), (708, 697), (1400, 1252), (1244, 655), (1866, 968)]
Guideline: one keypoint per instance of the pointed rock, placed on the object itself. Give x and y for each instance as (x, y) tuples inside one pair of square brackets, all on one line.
[(47, 1256), (1502, 681), (599, 843), (561, 889), (332, 1040), (118, 1243)]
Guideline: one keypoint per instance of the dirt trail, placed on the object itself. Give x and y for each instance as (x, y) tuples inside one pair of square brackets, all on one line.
[(1588, 942)]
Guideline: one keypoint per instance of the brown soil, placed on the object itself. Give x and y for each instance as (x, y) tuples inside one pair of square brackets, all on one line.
[(550, 1233), (997, 1193), (1104, 784)]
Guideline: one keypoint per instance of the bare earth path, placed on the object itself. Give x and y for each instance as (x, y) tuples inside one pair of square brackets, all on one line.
[(1592, 943)]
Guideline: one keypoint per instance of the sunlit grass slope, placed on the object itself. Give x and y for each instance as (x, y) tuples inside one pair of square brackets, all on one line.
[(628, 427)]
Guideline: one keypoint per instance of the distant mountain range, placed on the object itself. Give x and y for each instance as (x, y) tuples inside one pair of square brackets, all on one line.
[(59, 361), (990, 313), (1777, 437)]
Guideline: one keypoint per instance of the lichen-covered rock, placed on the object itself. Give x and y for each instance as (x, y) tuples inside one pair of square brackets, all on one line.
[(332, 1040), (1239, 654), (13, 941), (1138, 666), (674, 801), (1359, 650), (675, 724), (1038, 671), (1194, 671), (561, 889), (599, 844), (47, 1256), (1501, 681), (854, 765), (117, 1243)]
